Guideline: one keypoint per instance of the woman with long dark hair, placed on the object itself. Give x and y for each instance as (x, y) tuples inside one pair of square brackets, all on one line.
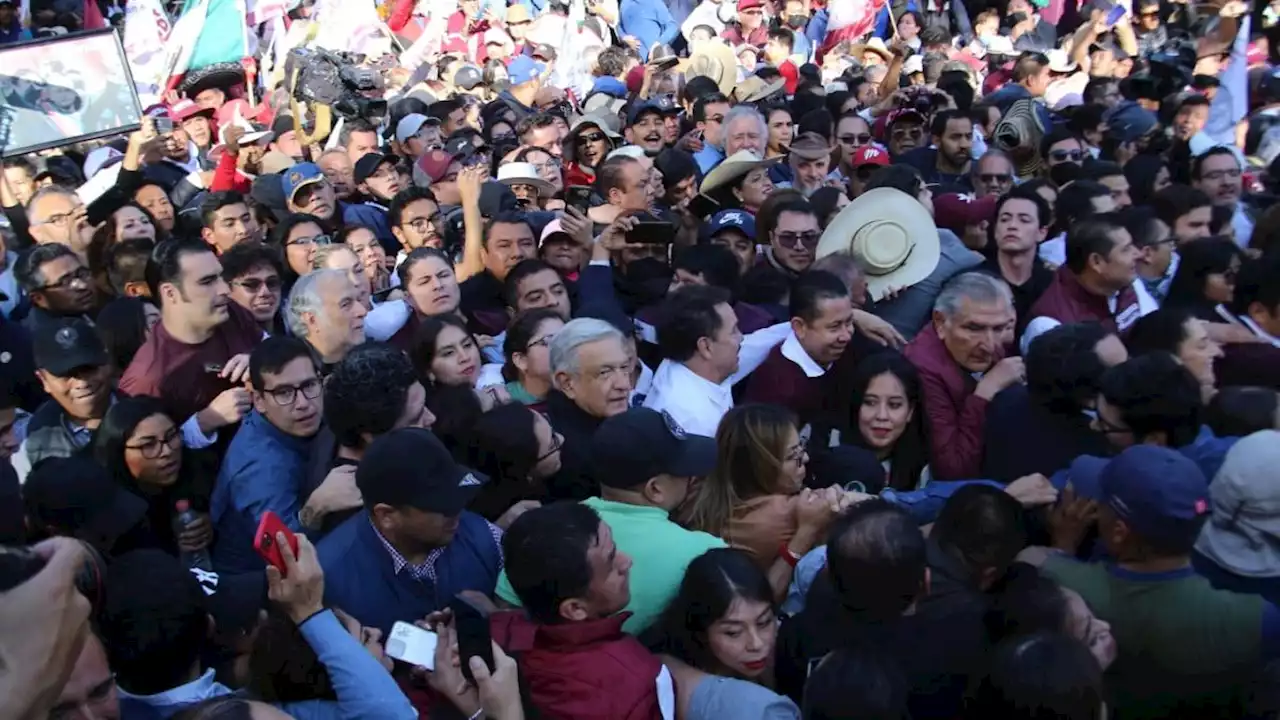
[(527, 351), (124, 325), (296, 238), (518, 450), (1206, 277), (885, 417)]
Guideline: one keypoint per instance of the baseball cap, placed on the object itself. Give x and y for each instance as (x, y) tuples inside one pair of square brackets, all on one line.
[(641, 108), (185, 109), (77, 495), (369, 163), (433, 165), (749, 4), (956, 211), (410, 467), (411, 125), (544, 52), (233, 600), (60, 348), (631, 448), (468, 77), (524, 69), (495, 199), (100, 158), (738, 220), (869, 155), (1161, 493), (281, 125), (299, 176), (462, 145)]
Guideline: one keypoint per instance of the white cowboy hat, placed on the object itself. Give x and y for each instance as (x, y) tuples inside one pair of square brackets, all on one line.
[(733, 167), (523, 173), (715, 60), (890, 234)]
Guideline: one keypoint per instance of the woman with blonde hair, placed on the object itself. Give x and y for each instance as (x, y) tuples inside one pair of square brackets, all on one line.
[(755, 497)]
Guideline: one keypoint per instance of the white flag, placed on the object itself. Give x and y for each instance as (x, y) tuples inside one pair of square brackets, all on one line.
[(146, 29)]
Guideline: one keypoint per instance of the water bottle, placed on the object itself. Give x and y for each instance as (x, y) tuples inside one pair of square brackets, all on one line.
[(184, 519)]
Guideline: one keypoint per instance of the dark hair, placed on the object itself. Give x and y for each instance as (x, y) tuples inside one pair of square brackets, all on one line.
[(882, 690), (536, 121), (1220, 218), (676, 166), (1055, 136), (688, 315), (956, 84), (283, 667), (118, 424), (215, 201), (910, 454), (502, 444), (402, 199), (1161, 331), (352, 126), (28, 268), (1086, 118), (1029, 64), (817, 121), (366, 392), (521, 330), (122, 326), (1096, 89), (899, 177), (1238, 411), (1044, 213), (442, 109), (1155, 393), (523, 269), (165, 265), (1197, 162), (1075, 202), (876, 560), (609, 174), (423, 349), (1063, 367), (698, 87), (1098, 169), (506, 217), (824, 201), (1041, 676), (1176, 200), (1141, 172), (126, 262), (272, 354), (700, 105), (244, 258), (1025, 601), (810, 289), (546, 557), (280, 237), (711, 583), (1088, 238), (1144, 227), (1198, 259), (417, 255), (1258, 282), (982, 527), (765, 285), (783, 36), (715, 263), (938, 126)]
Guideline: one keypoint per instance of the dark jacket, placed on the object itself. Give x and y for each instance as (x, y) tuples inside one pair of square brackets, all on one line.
[(953, 414), (1021, 437), (1067, 301), (574, 480), (925, 159)]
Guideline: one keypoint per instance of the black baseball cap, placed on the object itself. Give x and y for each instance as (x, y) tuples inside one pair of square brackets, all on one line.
[(369, 163), (468, 77), (60, 347), (411, 467), (78, 496), (234, 599), (635, 446), (461, 145)]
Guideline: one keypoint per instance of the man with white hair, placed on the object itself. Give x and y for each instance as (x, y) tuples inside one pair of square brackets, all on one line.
[(325, 311), (591, 371), (745, 129)]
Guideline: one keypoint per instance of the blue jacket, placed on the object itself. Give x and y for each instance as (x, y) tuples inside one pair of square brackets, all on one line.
[(263, 470), (648, 21), (14, 33), (373, 216), (359, 576)]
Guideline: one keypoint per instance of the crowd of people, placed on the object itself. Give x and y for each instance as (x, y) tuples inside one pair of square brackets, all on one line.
[(729, 359)]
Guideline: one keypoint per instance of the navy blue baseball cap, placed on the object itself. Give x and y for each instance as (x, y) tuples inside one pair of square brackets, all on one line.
[(633, 447), (739, 220), (524, 69), (642, 107), (1160, 493), (299, 176)]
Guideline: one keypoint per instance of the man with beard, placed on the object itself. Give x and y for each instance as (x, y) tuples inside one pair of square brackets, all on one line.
[(378, 182), (646, 127), (1216, 172), (904, 130), (809, 160), (415, 220), (947, 162)]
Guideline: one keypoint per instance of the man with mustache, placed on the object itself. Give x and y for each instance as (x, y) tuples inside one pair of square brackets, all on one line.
[(947, 161), (646, 127)]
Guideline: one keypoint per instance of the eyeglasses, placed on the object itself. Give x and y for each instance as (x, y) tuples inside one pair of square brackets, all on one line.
[(309, 241), (1215, 175), (803, 241), (550, 166), (1107, 428), (796, 454), (288, 394), (420, 224), (253, 285), (544, 341), (557, 440), (81, 275), (61, 219), (862, 139), (995, 178), (152, 447), (1074, 156), (913, 131), (585, 138)]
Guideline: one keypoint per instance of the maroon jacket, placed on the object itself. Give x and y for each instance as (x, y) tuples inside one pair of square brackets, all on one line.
[(584, 670), (1249, 364), (780, 381), (954, 415), (1067, 301)]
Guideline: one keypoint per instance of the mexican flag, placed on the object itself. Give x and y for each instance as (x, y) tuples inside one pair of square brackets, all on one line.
[(207, 32)]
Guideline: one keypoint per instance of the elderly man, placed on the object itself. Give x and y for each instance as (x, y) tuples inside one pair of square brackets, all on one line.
[(745, 129), (808, 162), (58, 216), (325, 311), (972, 322), (992, 174), (591, 369)]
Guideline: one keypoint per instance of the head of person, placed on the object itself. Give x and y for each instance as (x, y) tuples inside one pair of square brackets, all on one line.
[(1206, 276), (227, 221), (139, 444), (722, 620), (90, 690), (1242, 410), (1148, 175), (1066, 681), (376, 176), (565, 566), (992, 174), (517, 448), (886, 416), (326, 310), (809, 158), (533, 284), (307, 190), (253, 272), (643, 457), (1100, 251), (131, 222), (981, 529), (526, 348), (680, 176), (341, 257), (709, 112), (450, 114), (952, 133), (541, 131), (185, 278), (745, 129), (56, 279), (286, 386), (1065, 365), (698, 328), (155, 200), (123, 325), (20, 174), (1152, 238), (1174, 330), (971, 315), (340, 171), (903, 178), (284, 668), (444, 352), (1031, 69), (415, 219), (1257, 293), (1112, 176), (905, 130), (372, 391), (591, 365), (359, 137), (623, 182), (821, 313), (795, 234), (1022, 220), (57, 215), (876, 561), (73, 367), (363, 241), (883, 690), (1216, 172), (508, 239), (1152, 399), (1186, 210), (1189, 117), (297, 238)]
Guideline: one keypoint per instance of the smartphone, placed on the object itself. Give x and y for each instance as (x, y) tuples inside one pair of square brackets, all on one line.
[(472, 626), (1114, 15), (664, 64), (410, 643), (579, 197), (264, 540), (652, 232), (703, 206), (214, 368), (164, 125)]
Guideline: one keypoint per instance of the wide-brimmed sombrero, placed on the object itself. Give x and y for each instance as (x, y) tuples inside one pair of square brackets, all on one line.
[(223, 76), (890, 234), (731, 168), (715, 60), (1019, 133)]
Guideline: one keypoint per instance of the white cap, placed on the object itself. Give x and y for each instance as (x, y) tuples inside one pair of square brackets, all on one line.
[(999, 45), (100, 158), (409, 126), (635, 152), (1059, 61), (913, 65)]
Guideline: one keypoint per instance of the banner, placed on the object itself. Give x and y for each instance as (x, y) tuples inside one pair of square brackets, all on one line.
[(351, 26), (146, 29), (207, 33)]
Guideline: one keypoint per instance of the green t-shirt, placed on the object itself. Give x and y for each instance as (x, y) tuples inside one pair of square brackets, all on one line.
[(1185, 649), (659, 549)]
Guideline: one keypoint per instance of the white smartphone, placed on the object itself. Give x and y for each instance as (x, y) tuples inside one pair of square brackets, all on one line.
[(410, 643)]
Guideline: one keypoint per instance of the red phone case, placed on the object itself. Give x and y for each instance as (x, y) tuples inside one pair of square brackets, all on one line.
[(264, 540)]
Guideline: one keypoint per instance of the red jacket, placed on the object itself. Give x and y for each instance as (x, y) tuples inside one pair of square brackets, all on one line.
[(228, 177), (584, 670), (953, 414), (1067, 301)]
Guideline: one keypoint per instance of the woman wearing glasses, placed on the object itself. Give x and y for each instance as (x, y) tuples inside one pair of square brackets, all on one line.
[(296, 238), (526, 348), (142, 448)]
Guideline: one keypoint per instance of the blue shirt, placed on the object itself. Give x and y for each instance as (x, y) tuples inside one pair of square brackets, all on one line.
[(648, 21), (708, 157)]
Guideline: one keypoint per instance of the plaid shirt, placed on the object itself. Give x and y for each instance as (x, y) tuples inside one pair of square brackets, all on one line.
[(426, 570)]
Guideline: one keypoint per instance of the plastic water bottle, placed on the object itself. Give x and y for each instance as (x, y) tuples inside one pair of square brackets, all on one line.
[(184, 519)]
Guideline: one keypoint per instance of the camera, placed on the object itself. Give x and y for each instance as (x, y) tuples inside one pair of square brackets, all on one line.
[(336, 79), (19, 564)]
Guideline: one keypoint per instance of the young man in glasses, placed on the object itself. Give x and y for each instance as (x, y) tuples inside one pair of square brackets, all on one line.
[(267, 461), (253, 272)]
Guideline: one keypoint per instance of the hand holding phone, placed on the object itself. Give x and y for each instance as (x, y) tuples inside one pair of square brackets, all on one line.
[(267, 544), (471, 622), (651, 232), (411, 644)]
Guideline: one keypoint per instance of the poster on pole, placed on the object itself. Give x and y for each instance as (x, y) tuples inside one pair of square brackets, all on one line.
[(63, 90)]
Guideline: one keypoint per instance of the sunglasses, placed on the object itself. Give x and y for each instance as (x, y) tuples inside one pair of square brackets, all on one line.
[(862, 139), (1066, 156), (253, 285), (590, 138), (993, 178)]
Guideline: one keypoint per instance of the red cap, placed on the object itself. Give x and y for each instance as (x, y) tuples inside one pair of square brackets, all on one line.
[(956, 211), (869, 155), (185, 109), (749, 4), (790, 75), (435, 164)]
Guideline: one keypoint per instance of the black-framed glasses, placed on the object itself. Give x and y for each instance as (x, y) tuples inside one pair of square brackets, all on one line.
[(309, 241), (288, 394), (253, 285), (861, 139), (1074, 156), (152, 447), (805, 241), (544, 341), (420, 224), (65, 282), (557, 440), (585, 138)]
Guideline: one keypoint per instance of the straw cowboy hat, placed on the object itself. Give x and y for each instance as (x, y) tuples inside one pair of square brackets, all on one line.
[(755, 89), (890, 234), (1019, 133), (523, 173), (733, 167), (874, 45), (715, 60)]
